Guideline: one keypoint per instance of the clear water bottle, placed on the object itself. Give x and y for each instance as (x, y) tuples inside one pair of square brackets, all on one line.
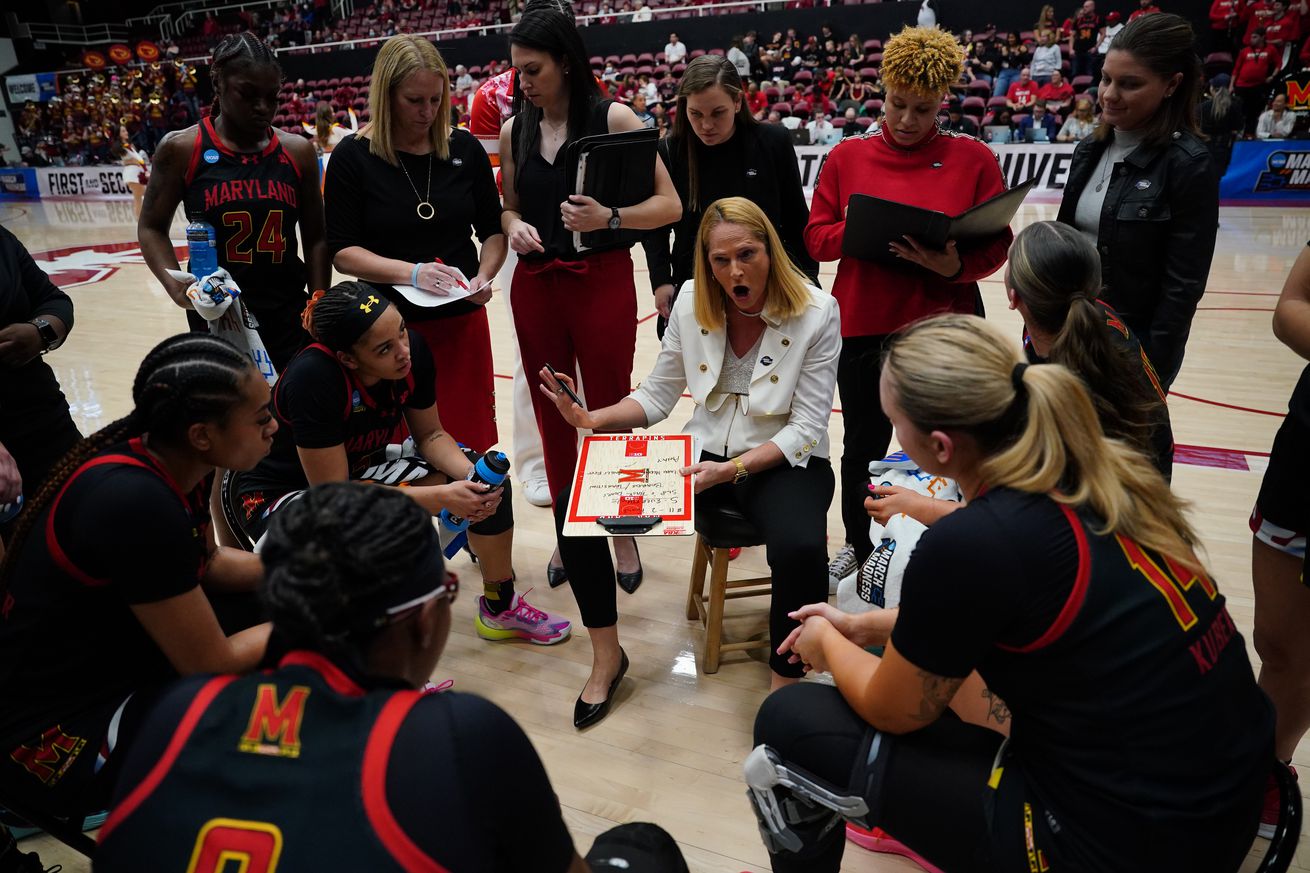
[(202, 247), (9, 511)]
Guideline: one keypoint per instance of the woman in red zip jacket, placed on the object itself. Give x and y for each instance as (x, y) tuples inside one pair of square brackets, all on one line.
[(909, 160)]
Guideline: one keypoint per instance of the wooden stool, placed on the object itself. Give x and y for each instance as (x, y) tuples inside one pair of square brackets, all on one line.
[(718, 529)]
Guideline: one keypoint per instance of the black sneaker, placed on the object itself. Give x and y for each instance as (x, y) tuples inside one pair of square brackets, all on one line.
[(12, 860)]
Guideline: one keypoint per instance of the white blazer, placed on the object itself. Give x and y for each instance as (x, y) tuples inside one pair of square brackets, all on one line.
[(791, 389)]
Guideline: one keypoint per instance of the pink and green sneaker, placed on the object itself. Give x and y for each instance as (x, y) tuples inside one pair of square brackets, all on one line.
[(521, 621)]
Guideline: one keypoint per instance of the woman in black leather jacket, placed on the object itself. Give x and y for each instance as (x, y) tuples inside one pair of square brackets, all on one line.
[(1143, 187)]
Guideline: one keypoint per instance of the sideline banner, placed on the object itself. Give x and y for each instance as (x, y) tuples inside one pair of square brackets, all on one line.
[(1049, 162), (18, 183), (1269, 171), (37, 87), (102, 182)]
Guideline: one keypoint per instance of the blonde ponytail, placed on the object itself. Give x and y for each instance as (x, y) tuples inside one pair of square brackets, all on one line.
[(1038, 428)]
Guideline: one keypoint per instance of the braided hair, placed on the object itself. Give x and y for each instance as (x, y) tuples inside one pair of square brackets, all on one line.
[(186, 379), (331, 553), (234, 50), (332, 317)]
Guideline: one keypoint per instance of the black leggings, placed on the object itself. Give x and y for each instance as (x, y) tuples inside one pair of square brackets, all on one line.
[(867, 431), (927, 789), (788, 505)]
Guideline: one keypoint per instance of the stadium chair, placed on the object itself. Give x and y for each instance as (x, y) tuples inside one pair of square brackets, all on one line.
[(697, 53), (782, 108), (869, 72), (801, 110), (979, 88), (873, 45), (772, 94), (1080, 83), (1218, 62), (997, 102), (803, 77), (863, 122), (839, 122), (870, 105), (974, 106)]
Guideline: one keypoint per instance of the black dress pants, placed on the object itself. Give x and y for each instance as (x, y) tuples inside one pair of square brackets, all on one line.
[(788, 505), (868, 432)]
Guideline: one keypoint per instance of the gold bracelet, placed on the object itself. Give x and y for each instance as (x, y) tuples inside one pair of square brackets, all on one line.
[(742, 472)]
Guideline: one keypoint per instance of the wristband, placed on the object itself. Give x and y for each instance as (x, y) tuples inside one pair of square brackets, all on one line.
[(413, 277)]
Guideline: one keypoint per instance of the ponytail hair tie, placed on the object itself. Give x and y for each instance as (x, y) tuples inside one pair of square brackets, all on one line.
[(1016, 377), (307, 316)]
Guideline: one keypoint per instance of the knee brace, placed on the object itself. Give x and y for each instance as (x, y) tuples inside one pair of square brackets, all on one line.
[(795, 809)]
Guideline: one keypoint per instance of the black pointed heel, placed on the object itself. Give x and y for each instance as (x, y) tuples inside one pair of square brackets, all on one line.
[(556, 576), (630, 582), (587, 714)]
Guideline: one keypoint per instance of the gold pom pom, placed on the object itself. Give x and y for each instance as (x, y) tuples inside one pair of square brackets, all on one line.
[(927, 60)]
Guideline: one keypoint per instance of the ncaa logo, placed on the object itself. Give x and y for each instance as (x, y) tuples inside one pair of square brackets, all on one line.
[(1278, 160), (211, 156)]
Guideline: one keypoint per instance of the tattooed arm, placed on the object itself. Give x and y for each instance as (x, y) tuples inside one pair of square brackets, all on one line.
[(896, 696)]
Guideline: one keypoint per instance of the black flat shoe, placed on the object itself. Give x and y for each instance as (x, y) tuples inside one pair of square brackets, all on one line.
[(630, 582), (556, 576), (587, 714)]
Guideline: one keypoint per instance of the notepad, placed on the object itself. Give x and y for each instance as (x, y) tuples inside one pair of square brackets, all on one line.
[(872, 224)]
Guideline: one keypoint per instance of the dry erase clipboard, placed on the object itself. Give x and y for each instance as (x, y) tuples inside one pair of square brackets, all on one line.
[(628, 485)]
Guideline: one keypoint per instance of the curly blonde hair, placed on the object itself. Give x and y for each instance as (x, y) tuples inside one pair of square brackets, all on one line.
[(923, 59)]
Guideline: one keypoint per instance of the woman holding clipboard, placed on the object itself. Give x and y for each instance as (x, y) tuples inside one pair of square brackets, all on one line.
[(755, 345), (907, 160), (576, 311)]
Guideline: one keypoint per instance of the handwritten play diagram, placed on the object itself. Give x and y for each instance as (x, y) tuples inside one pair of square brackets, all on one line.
[(628, 484)]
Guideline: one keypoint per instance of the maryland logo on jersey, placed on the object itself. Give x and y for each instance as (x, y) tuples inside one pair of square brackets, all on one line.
[(274, 727)]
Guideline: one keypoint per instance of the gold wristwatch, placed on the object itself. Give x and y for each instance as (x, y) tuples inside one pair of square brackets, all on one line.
[(742, 472)]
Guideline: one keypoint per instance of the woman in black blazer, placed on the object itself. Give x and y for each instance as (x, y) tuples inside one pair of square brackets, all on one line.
[(718, 150), (1143, 187)]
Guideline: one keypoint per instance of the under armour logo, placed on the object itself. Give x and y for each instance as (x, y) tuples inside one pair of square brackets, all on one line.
[(368, 305)]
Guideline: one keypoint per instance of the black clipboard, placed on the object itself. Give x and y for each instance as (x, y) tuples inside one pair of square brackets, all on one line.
[(872, 223), (617, 169)]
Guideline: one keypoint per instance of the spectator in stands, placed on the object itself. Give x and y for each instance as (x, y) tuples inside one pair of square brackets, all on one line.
[(1144, 190), (675, 51), (1045, 19), (647, 89), (325, 132), (927, 14), (1276, 122), (1080, 124), (641, 13), (1283, 31), (822, 131), (1012, 57), (610, 73), (775, 117), (1084, 35), (1038, 118), (852, 123), (1253, 74), (1046, 58), (1113, 24), (361, 600), (756, 101), (739, 59), (1057, 94), (464, 83), (1144, 7), (576, 310), (908, 160), (1222, 122), (957, 121), (983, 62), (1023, 93), (639, 109), (405, 197), (1225, 24)]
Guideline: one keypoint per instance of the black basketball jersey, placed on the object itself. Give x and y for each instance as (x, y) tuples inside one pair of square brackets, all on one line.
[(303, 754), (119, 532), (1137, 725), (1145, 666), (253, 202)]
